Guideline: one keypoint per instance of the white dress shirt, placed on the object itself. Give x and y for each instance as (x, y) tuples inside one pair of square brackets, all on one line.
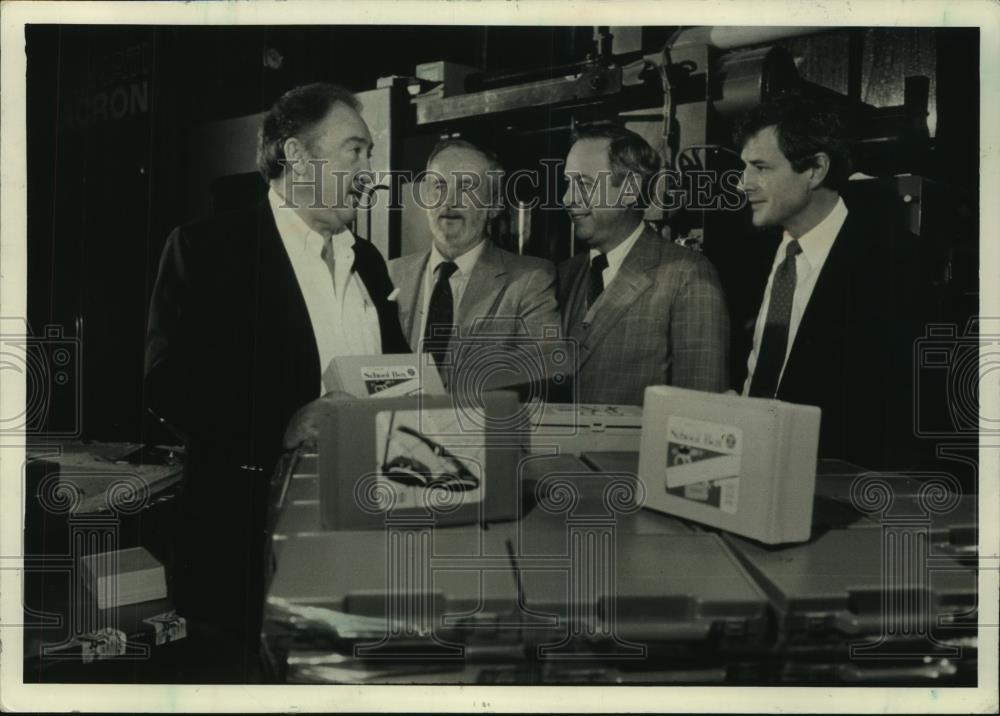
[(617, 255), (343, 317), (816, 244), (458, 281)]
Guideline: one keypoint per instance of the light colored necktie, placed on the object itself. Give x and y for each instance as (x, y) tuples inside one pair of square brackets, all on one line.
[(328, 258)]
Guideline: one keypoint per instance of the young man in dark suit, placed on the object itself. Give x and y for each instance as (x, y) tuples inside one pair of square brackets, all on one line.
[(247, 312), (838, 303)]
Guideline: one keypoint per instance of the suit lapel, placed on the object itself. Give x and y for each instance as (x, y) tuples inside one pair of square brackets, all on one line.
[(411, 276), (827, 302), (275, 272), (626, 287), (280, 301), (483, 288)]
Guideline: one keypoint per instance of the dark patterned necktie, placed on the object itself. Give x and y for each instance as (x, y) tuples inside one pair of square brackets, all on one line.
[(440, 314), (774, 341), (596, 287)]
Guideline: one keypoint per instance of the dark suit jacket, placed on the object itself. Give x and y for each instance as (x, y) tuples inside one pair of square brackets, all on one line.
[(230, 356), (853, 352), (661, 321)]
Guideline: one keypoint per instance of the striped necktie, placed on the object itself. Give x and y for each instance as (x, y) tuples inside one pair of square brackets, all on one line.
[(774, 341)]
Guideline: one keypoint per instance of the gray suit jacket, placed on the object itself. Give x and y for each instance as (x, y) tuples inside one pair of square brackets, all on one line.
[(508, 299), (661, 320)]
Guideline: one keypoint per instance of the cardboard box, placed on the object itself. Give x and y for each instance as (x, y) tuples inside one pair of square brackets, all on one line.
[(429, 458), (451, 75), (576, 428), (384, 376), (122, 632), (126, 576), (745, 465)]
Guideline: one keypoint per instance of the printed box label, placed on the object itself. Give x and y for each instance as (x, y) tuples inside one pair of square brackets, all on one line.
[(391, 381), (703, 462)]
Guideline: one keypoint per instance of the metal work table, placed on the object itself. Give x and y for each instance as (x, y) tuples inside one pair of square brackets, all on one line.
[(586, 587)]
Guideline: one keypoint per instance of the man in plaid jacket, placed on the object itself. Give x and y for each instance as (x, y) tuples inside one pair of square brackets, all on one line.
[(643, 310)]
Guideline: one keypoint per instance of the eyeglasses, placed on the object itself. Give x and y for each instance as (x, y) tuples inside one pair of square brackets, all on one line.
[(451, 473)]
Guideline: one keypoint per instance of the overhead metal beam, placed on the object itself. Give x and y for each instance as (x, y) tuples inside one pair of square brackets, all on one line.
[(596, 81)]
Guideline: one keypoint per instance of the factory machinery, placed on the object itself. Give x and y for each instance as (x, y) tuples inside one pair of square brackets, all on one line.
[(682, 98)]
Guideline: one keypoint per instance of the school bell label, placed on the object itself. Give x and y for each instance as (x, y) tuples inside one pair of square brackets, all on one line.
[(703, 462), (390, 381)]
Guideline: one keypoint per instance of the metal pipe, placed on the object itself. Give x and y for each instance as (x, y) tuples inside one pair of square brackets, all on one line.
[(727, 38), (500, 79)]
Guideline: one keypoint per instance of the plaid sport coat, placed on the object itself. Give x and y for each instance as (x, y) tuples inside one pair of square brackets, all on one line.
[(661, 320)]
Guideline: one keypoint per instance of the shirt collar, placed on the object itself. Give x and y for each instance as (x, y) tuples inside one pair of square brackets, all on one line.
[(617, 255), (465, 262), (817, 242), (295, 231)]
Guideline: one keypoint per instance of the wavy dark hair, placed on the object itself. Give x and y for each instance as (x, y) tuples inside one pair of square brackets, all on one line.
[(804, 128), (293, 115)]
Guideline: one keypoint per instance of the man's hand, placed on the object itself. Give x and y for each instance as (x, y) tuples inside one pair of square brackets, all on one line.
[(304, 426)]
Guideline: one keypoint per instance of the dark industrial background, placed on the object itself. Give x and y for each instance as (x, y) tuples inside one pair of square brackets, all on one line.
[(113, 114)]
